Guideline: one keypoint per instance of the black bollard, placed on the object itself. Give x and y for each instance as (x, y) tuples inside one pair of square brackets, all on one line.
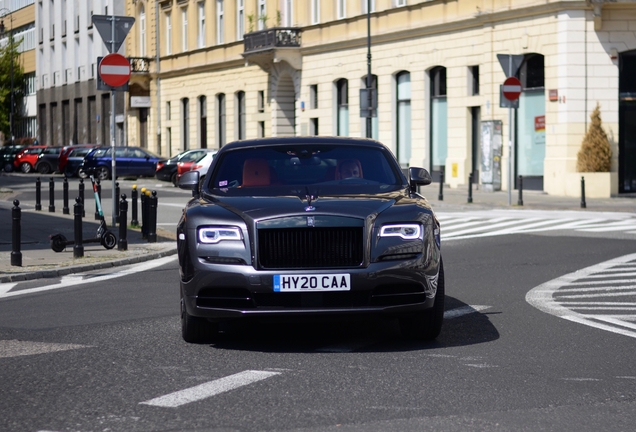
[(133, 196), (65, 209), (78, 210), (583, 204), (441, 186), (16, 230), (144, 213), (520, 200), (38, 194), (152, 217), (470, 188), (99, 194), (51, 195), (116, 202), (81, 196), (122, 244)]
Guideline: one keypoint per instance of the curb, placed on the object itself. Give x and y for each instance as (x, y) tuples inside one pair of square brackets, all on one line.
[(20, 277)]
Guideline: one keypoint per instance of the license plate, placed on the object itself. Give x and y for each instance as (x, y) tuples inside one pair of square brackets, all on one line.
[(311, 283)]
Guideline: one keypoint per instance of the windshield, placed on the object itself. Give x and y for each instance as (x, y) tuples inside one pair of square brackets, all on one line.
[(314, 169)]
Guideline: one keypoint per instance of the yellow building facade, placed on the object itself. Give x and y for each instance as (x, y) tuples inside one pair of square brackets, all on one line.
[(223, 70)]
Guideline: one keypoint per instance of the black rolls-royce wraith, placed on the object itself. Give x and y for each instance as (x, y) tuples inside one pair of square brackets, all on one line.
[(308, 226)]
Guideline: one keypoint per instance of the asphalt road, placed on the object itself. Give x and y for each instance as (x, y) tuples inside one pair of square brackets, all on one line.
[(100, 352)]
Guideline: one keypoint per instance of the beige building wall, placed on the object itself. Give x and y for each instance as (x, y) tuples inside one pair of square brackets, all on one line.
[(575, 39)]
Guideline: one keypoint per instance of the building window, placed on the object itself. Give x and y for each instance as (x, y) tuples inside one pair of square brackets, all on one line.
[(261, 129), (201, 29), (142, 31), (399, 3), (341, 9), (184, 29), (220, 127), (288, 13), (262, 14), (168, 112), (168, 33), (365, 5), (261, 101), (240, 115), (439, 119), (313, 126), (315, 11), (313, 96), (403, 117), (185, 117), (342, 106), (473, 83), (220, 26), (240, 19), (203, 122)]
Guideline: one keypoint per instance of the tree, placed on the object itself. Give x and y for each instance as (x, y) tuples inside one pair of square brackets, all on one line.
[(10, 65), (595, 154)]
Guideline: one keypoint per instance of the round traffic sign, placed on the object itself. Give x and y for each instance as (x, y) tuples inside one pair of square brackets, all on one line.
[(512, 88), (114, 70)]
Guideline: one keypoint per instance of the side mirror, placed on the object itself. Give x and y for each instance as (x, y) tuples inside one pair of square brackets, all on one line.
[(190, 181), (419, 177)]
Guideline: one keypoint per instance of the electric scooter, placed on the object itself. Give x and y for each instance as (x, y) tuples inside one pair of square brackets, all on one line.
[(103, 236)]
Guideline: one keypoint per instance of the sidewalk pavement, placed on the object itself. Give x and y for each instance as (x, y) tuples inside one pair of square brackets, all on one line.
[(40, 261)]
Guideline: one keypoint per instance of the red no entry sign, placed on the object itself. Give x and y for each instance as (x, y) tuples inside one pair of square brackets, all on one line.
[(115, 70), (512, 88)]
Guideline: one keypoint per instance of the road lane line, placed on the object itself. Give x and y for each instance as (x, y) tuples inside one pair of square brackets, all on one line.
[(208, 389), (64, 283), (17, 348), (464, 310), (6, 287)]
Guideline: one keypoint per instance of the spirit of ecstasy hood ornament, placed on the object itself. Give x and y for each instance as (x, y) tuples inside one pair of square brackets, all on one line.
[(310, 198)]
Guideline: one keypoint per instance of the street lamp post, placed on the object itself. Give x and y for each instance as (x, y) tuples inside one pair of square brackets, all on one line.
[(369, 119), (6, 12)]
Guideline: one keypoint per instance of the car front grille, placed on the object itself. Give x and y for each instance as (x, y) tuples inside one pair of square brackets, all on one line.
[(310, 247)]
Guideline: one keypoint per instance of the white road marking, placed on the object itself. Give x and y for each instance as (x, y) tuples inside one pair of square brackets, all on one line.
[(464, 310), (68, 282), (548, 298), (6, 287), (208, 389), (16, 348)]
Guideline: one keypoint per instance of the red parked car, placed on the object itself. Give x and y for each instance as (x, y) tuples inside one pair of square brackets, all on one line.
[(26, 159), (66, 150)]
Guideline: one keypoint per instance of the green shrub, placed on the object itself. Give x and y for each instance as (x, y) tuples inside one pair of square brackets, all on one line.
[(595, 154)]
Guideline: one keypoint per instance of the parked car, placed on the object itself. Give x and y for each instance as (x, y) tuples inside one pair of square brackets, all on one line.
[(167, 171), (74, 159), (48, 160), (302, 227), (129, 162), (27, 157), (66, 151), (7, 156), (201, 165)]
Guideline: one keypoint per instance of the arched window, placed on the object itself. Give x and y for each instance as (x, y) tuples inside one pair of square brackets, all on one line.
[(185, 124), (220, 126), (342, 107), (240, 115), (403, 117), (203, 122)]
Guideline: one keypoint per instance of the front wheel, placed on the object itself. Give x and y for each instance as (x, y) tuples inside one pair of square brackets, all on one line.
[(103, 173), (43, 168), (8, 167), (428, 324), (195, 329), (109, 240)]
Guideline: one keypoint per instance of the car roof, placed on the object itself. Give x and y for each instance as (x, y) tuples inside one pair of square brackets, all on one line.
[(266, 142)]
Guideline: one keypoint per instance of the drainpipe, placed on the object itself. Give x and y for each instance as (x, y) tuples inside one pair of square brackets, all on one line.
[(158, 78)]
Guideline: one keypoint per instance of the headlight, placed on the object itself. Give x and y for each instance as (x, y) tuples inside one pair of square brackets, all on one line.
[(406, 231), (212, 235)]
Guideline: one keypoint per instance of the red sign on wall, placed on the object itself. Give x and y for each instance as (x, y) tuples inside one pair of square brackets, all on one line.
[(539, 123)]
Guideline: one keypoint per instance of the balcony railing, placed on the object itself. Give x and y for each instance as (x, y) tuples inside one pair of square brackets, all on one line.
[(139, 64), (278, 37)]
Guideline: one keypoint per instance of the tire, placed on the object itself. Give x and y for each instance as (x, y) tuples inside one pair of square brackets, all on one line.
[(8, 167), (108, 240), (26, 167), (58, 242), (81, 173), (427, 325), (102, 173), (43, 168), (195, 329), (174, 180)]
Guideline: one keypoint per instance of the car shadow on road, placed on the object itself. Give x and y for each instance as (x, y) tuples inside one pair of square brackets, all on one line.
[(352, 335)]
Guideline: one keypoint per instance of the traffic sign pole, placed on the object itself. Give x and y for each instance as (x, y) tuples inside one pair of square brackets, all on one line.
[(112, 130)]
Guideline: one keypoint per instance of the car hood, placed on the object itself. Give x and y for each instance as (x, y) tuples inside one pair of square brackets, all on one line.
[(357, 206)]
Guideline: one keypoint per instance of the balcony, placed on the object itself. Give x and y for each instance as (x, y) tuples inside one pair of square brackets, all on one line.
[(139, 65), (273, 45)]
